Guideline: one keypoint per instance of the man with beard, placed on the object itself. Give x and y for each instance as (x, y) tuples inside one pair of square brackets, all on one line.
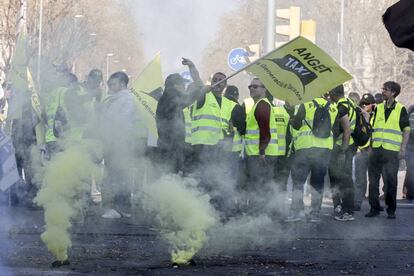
[(389, 141)]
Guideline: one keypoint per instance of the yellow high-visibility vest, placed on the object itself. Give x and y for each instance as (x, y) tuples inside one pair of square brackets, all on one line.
[(282, 122), (187, 121), (387, 134), (227, 107), (248, 104), (206, 122), (55, 99), (304, 137), (252, 137)]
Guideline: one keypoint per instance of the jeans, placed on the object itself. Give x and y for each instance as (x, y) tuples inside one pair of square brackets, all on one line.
[(281, 172), (314, 161), (259, 180)]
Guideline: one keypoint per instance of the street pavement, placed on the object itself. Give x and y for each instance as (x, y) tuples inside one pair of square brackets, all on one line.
[(366, 246)]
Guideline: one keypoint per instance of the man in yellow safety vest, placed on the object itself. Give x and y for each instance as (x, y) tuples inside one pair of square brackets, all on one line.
[(389, 140), (261, 146), (312, 154), (340, 167)]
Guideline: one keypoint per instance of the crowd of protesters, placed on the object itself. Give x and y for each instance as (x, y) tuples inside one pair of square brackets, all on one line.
[(258, 145)]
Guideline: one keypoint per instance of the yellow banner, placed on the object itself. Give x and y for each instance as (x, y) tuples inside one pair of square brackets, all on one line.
[(298, 72), (147, 88), (35, 96)]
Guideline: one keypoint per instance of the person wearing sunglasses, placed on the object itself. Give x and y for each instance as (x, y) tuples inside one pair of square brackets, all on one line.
[(260, 146)]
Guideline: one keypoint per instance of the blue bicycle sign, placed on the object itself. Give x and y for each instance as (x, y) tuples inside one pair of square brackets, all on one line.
[(237, 59)]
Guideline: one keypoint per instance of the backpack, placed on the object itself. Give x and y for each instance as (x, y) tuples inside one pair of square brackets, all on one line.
[(321, 126), (363, 129)]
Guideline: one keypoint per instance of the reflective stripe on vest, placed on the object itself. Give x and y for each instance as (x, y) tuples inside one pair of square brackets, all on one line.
[(304, 138), (282, 122), (387, 134), (206, 122), (252, 137), (187, 121)]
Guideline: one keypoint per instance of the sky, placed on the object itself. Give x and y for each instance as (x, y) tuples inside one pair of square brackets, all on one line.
[(178, 28)]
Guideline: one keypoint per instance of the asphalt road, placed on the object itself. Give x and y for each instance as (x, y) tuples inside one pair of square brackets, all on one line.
[(375, 246)]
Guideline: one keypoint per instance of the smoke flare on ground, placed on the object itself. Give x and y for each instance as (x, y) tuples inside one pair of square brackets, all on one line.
[(66, 180), (183, 213)]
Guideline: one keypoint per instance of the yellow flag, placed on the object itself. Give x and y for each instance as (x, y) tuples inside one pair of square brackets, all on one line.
[(35, 96), (17, 76), (298, 72), (147, 88)]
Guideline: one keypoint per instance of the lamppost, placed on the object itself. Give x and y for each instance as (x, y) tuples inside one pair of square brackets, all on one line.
[(39, 46), (341, 35), (107, 64), (270, 28), (77, 17)]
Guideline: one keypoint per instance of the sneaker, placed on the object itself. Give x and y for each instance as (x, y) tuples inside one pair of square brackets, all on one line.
[(338, 210), (345, 217), (314, 218), (391, 216), (111, 214), (372, 213), (293, 218)]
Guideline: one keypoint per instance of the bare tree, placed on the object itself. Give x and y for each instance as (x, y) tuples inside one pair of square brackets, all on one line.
[(369, 54), (75, 32)]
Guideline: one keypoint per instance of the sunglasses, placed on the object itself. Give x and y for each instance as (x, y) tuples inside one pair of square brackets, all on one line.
[(255, 86)]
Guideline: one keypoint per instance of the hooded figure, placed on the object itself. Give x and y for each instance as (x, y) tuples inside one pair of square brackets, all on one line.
[(170, 116)]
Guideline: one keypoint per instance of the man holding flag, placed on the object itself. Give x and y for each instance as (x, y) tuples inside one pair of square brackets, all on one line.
[(170, 116)]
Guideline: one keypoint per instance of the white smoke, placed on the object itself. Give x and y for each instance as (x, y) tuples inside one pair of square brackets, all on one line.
[(193, 24)]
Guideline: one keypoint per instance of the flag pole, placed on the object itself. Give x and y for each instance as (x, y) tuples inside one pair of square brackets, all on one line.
[(251, 64)]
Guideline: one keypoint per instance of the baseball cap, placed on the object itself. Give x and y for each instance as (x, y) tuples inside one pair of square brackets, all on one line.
[(366, 99)]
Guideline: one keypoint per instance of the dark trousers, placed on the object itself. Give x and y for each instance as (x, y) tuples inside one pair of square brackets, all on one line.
[(203, 156), (208, 167), (382, 161), (340, 174), (281, 172), (409, 177), (314, 161), (172, 156), (361, 176), (259, 180)]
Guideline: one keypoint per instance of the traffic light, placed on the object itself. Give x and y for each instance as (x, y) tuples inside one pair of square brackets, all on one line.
[(296, 27), (293, 15), (253, 51), (308, 29)]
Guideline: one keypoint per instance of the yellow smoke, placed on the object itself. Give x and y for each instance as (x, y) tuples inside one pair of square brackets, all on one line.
[(66, 179), (183, 213)]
